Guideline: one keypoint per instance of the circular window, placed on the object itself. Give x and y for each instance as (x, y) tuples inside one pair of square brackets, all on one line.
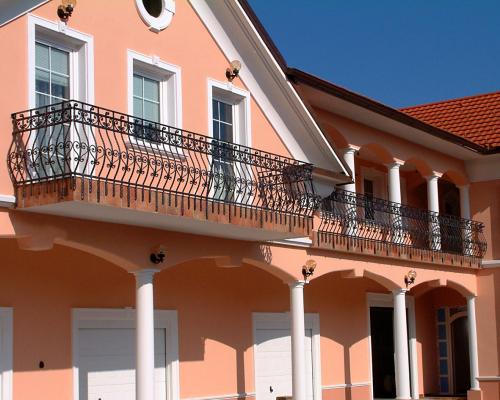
[(153, 7), (156, 14)]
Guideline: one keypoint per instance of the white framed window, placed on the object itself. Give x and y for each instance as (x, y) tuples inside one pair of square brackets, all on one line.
[(60, 63), (6, 353), (228, 122), (154, 97), (225, 94), (156, 14), (104, 353)]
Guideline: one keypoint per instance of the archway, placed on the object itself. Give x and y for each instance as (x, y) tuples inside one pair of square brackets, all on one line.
[(442, 338)]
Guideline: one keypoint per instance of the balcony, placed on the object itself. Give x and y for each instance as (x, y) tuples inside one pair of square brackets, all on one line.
[(353, 222), (79, 160)]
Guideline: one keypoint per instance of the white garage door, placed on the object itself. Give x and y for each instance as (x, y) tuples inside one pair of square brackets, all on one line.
[(107, 364), (273, 359)]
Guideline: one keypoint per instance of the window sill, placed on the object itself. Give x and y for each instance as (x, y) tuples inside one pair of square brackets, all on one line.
[(152, 148)]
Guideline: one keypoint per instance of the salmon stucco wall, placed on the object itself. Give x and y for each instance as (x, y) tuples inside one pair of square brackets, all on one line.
[(215, 307), (485, 207), (116, 28)]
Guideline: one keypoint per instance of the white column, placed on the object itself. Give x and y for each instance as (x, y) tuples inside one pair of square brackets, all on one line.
[(395, 197), (412, 348), (465, 214), (464, 201), (474, 363), (432, 193), (401, 359), (298, 341), (433, 206), (145, 347), (350, 228), (394, 182), (348, 154)]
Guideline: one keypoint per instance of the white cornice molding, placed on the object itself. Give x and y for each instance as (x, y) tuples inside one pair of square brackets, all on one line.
[(11, 10), (7, 201), (484, 168), (490, 263)]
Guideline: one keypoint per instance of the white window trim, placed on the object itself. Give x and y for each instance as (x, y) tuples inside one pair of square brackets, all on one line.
[(157, 24), (387, 300), (240, 99), (6, 353), (169, 76), (66, 38), (125, 318), (283, 321)]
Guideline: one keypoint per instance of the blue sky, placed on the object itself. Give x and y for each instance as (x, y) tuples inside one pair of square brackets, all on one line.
[(399, 52)]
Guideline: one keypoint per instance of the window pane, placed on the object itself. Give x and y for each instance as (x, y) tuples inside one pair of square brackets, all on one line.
[(441, 332), (216, 132), (226, 132), (42, 81), (60, 86), (42, 100), (59, 61), (215, 109), (138, 112), (137, 85), (443, 383), (151, 90), (443, 367), (443, 349), (42, 55), (151, 111), (226, 112)]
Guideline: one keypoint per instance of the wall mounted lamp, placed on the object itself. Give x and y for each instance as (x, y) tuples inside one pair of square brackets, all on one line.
[(410, 278), (233, 71), (308, 269), (65, 9)]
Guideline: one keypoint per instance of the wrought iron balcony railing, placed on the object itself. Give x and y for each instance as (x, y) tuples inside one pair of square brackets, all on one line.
[(90, 144), (372, 219)]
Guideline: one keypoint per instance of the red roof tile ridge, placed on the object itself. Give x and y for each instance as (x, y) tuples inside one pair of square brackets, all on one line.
[(434, 103)]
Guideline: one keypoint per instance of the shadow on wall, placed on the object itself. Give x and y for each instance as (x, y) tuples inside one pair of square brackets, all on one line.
[(341, 303)]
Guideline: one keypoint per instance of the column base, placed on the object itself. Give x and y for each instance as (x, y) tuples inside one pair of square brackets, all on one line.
[(476, 394)]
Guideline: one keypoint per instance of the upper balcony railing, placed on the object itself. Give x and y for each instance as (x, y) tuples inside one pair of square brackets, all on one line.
[(89, 145), (369, 219)]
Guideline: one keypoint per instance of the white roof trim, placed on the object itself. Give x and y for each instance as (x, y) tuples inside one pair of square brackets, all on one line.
[(312, 148), (11, 10)]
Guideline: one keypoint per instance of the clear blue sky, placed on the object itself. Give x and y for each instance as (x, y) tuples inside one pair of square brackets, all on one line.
[(399, 52)]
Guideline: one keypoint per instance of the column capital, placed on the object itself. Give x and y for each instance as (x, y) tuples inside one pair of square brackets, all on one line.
[(394, 165), (349, 149), (433, 175), (145, 272), (471, 297), (399, 291), (465, 186), (297, 284)]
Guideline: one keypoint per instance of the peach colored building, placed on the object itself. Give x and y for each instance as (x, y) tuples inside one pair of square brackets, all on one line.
[(183, 216)]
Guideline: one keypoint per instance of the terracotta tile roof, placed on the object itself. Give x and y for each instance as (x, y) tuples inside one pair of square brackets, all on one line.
[(475, 118)]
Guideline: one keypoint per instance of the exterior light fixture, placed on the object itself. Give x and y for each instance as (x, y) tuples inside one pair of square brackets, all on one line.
[(233, 70), (158, 255), (410, 278), (65, 9), (308, 269)]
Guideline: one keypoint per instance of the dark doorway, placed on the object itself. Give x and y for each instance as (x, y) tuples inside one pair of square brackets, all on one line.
[(460, 346), (382, 343)]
